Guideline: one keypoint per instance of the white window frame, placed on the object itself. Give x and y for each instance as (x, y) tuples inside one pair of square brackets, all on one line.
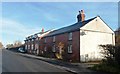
[(70, 36), (36, 46), (32, 47), (26, 46), (37, 38), (45, 48), (70, 48), (54, 38), (32, 39), (53, 48)]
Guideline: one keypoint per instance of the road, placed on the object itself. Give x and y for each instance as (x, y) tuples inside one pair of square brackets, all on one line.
[(12, 62)]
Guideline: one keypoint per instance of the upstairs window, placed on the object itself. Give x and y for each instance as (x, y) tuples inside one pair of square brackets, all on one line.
[(37, 38), (70, 36), (53, 38), (25, 41), (45, 40), (32, 39), (70, 49)]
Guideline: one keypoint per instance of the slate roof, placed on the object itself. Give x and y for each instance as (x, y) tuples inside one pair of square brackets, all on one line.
[(70, 28)]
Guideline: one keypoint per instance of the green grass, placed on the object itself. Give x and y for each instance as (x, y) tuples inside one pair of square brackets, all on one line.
[(105, 68)]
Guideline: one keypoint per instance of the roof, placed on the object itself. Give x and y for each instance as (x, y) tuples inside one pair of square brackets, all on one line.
[(70, 28), (33, 36)]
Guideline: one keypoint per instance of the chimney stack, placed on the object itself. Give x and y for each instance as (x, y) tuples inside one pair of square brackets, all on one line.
[(81, 16)]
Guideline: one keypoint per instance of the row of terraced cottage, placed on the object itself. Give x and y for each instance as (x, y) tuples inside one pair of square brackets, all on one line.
[(78, 42)]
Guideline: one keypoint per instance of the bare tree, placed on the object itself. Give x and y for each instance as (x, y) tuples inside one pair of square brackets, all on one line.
[(17, 43), (1, 45), (60, 51), (9, 45), (117, 39)]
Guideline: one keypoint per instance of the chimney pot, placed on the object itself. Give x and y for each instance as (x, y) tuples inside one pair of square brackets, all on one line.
[(82, 15)]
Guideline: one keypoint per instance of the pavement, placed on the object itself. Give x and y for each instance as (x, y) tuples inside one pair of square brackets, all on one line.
[(70, 67), (14, 63)]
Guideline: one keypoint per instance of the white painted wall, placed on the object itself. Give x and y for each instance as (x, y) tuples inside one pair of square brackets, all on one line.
[(96, 33), (89, 44), (97, 25)]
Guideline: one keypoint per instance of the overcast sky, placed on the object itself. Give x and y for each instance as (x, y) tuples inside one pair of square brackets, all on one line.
[(20, 19)]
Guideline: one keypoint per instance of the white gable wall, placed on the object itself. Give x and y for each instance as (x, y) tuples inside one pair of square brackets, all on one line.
[(97, 25), (96, 33)]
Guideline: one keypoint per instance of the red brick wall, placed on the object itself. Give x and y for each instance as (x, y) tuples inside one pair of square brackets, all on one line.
[(76, 46), (64, 39), (75, 56)]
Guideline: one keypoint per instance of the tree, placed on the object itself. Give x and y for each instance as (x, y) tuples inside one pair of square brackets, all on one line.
[(17, 43), (111, 54), (9, 45), (118, 39), (60, 51), (1, 45)]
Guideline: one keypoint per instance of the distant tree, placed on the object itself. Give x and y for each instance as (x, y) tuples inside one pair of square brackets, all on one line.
[(17, 43), (118, 39), (9, 45), (1, 45)]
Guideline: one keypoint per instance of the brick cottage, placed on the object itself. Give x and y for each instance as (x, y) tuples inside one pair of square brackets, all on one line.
[(76, 43)]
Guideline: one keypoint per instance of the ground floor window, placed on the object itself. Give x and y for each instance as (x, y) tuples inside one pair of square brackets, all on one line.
[(32, 47), (70, 49), (25, 47), (36, 46), (28, 46), (53, 48), (45, 48)]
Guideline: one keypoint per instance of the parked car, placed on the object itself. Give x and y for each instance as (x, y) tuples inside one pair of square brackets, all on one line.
[(22, 50)]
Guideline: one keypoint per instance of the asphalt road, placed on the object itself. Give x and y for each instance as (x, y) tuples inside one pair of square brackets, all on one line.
[(12, 62)]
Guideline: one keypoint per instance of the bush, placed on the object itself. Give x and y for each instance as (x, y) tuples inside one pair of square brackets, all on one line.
[(111, 54), (105, 68), (111, 61)]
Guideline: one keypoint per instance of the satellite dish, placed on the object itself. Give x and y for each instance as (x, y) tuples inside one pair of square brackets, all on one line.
[(82, 33)]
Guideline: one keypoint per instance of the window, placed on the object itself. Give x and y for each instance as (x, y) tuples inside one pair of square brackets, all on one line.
[(26, 47), (70, 49), (70, 36), (45, 48), (32, 47), (32, 39), (36, 46), (37, 38), (53, 38), (53, 48), (45, 40), (25, 41)]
